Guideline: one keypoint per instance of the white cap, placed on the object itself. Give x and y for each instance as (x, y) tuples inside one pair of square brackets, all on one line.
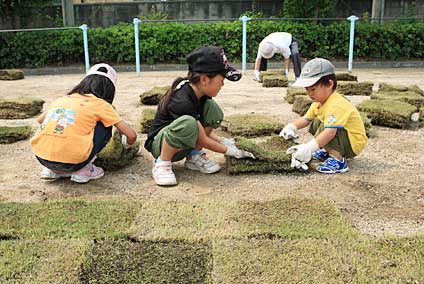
[(314, 70), (111, 73), (267, 50)]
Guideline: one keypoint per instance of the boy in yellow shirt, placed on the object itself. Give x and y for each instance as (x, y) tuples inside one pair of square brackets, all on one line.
[(336, 123)]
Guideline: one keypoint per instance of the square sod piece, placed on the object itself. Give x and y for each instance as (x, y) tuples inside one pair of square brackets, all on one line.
[(153, 96), (20, 108), (147, 116), (344, 76), (301, 104), (251, 125), (14, 133), (293, 92), (407, 97), (355, 88), (114, 156), (270, 156), (270, 72), (11, 74), (389, 113), (384, 87), (275, 81)]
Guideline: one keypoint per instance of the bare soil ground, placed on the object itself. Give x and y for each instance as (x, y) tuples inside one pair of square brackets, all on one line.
[(381, 194)]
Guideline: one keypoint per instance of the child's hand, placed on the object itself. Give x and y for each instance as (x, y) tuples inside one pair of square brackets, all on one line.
[(303, 152), (227, 141), (124, 142), (235, 152), (256, 75), (289, 132)]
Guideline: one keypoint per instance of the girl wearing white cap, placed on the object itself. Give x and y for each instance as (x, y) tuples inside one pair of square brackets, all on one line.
[(76, 127)]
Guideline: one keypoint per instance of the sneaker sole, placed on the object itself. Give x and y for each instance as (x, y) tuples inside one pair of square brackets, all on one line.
[(194, 168), (82, 179), (55, 177), (334, 172)]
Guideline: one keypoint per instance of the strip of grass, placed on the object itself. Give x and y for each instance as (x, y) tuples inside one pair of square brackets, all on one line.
[(66, 219)]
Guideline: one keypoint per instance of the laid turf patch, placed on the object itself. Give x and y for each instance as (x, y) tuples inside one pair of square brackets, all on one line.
[(388, 112), (14, 133), (113, 156), (407, 97), (301, 104), (270, 81), (153, 96), (147, 116), (271, 157), (384, 87), (20, 108), (148, 262), (251, 125), (273, 72), (39, 262), (343, 76), (422, 116), (11, 74), (293, 92), (355, 88), (66, 219), (369, 130)]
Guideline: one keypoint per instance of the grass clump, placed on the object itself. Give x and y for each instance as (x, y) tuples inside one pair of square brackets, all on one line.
[(407, 97), (173, 261), (384, 87), (293, 92), (153, 96), (422, 116), (147, 116), (369, 130), (270, 81), (20, 108), (113, 156), (271, 156), (355, 88), (14, 133), (301, 104), (11, 74), (66, 220), (251, 125), (343, 76), (273, 72), (389, 113)]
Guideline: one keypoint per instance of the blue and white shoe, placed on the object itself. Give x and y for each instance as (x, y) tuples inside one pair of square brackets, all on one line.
[(333, 166), (320, 155)]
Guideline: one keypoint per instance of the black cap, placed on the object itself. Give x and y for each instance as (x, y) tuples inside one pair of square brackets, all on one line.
[(211, 59)]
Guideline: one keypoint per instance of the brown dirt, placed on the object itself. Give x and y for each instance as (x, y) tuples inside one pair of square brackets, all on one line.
[(382, 194)]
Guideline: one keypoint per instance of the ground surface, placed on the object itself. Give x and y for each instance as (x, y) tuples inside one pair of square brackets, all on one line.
[(382, 194)]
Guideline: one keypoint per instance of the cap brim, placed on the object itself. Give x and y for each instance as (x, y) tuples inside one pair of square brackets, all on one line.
[(305, 82), (232, 74)]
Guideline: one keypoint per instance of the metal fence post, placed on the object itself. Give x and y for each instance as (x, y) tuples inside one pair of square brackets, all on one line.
[(244, 20), (352, 20), (136, 21), (84, 29)]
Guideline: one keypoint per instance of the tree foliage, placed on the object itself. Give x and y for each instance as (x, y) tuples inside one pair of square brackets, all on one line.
[(308, 8), (19, 7)]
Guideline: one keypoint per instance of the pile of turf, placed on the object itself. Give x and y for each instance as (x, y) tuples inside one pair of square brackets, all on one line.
[(114, 156), (406, 96), (153, 96), (20, 108), (389, 113), (422, 116), (10, 134), (147, 116), (384, 87), (270, 81), (251, 125), (271, 156), (11, 74), (277, 72), (301, 104), (342, 76), (355, 88), (293, 92)]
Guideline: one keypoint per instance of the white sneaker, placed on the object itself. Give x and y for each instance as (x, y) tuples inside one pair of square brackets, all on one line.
[(47, 173), (163, 174), (200, 162)]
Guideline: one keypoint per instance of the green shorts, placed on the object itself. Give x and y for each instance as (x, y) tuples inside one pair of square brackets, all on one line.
[(182, 133), (340, 142)]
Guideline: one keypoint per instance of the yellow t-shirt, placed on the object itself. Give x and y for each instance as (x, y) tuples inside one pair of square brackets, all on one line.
[(66, 134), (337, 112)]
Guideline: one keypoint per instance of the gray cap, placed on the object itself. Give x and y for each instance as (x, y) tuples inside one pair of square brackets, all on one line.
[(314, 70)]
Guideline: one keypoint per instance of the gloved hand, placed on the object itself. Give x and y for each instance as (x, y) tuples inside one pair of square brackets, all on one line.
[(124, 142), (298, 165), (256, 75), (303, 152), (227, 141), (289, 132), (235, 152), (286, 72)]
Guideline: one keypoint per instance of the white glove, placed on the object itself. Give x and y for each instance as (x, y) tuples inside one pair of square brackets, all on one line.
[(289, 132), (286, 72), (256, 75), (298, 165), (227, 141), (124, 142), (235, 152), (303, 152)]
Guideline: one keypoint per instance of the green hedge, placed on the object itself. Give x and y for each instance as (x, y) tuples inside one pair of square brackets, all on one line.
[(170, 42)]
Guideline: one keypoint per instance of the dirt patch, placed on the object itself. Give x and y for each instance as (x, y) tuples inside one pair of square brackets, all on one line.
[(382, 193)]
